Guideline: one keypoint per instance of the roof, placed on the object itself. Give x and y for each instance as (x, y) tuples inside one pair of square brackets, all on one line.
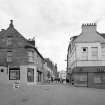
[(102, 34), (90, 35), (12, 31)]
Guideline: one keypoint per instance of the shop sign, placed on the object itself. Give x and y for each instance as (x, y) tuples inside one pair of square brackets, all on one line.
[(100, 69)]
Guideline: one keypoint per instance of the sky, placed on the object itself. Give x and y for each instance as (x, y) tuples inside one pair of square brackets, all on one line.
[(52, 22)]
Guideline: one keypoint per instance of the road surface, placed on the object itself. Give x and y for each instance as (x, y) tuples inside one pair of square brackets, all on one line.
[(51, 95)]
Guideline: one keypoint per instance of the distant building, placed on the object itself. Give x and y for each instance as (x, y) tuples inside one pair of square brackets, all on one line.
[(62, 74), (52, 68), (86, 58), (20, 61)]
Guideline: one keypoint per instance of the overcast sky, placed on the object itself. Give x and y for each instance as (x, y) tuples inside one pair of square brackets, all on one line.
[(52, 22)]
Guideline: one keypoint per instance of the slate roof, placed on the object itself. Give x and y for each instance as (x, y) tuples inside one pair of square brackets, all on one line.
[(11, 31), (90, 37)]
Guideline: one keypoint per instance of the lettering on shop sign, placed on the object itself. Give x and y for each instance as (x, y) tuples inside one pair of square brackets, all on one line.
[(100, 69)]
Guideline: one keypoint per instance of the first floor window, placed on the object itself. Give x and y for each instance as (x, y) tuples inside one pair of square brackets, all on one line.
[(14, 74), (84, 53), (9, 56), (30, 56), (94, 53), (9, 41), (84, 49)]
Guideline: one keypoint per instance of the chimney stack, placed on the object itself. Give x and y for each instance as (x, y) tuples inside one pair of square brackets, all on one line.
[(89, 27)]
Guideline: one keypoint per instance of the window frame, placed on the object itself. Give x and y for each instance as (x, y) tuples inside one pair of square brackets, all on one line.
[(94, 55), (14, 70), (31, 57), (31, 76), (9, 56), (86, 49), (9, 41)]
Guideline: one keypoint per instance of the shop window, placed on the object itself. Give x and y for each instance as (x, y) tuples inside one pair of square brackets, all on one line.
[(97, 80), (30, 75), (14, 74)]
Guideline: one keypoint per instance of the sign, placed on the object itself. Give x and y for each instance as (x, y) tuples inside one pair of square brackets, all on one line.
[(100, 69)]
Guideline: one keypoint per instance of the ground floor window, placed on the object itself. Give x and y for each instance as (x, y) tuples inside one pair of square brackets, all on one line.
[(39, 76), (30, 75), (14, 74), (99, 78), (79, 78)]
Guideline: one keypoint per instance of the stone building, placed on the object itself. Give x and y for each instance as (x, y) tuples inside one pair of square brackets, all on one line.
[(86, 58), (51, 68), (20, 61)]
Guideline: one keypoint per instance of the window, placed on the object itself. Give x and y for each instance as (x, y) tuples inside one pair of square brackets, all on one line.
[(97, 80), (84, 49), (9, 41), (103, 53), (2, 70), (84, 53), (31, 56), (14, 74), (9, 56), (30, 75), (94, 53)]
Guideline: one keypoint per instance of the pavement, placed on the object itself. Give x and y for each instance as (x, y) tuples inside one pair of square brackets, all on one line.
[(51, 94)]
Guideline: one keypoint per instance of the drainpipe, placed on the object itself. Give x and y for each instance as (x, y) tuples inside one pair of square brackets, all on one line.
[(87, 79)]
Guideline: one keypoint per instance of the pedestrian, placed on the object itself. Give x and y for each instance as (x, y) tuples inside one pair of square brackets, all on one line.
[(52, 79)]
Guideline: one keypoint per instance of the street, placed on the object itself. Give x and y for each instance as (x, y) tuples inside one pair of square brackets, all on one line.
[(57, 94)]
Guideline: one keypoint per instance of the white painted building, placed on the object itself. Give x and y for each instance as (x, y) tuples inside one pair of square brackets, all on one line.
[(62, 74), (86, 56)]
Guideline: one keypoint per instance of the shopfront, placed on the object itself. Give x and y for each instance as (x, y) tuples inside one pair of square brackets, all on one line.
[(79, 79)]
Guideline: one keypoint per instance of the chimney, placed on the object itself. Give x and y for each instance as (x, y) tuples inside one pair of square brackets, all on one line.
[(11, 23), (89, 27), (31, 41)]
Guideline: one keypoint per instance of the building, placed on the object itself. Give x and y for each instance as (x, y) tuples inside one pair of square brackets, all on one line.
[(20, 61), (86, 58), (51, 68), (62, 75)]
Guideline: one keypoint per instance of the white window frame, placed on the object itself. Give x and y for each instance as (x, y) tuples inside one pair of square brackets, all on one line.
[(94, 54), (84, 53), (86, 49)]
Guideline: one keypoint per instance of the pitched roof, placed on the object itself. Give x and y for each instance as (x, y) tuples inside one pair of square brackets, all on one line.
[(11, 31), (90, 35), (102, 34)]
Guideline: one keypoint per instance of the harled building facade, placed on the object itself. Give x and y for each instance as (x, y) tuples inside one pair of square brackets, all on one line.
[(86, 58)]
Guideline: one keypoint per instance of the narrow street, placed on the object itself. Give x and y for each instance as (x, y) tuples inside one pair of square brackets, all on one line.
[(57, 94)]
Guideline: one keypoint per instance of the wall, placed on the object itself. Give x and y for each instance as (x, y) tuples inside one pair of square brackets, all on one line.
[(23, 74)]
